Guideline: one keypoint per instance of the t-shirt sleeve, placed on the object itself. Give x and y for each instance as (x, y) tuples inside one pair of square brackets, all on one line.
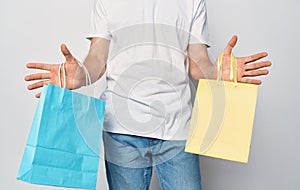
[(99, 23), (199, 28)]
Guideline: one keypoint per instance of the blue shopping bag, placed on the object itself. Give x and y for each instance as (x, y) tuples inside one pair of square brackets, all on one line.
[(63, 147)]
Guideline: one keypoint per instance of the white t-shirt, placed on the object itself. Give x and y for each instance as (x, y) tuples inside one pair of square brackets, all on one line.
[(148, 92)]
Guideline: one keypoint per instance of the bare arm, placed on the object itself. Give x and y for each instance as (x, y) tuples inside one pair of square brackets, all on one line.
[(96, 59), (201, 67), (95, 63), (200, 64)]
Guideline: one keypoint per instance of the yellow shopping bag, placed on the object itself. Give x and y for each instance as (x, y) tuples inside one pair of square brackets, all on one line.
[(222, 118)]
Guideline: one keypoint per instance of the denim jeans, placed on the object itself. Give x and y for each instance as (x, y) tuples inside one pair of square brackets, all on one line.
[(129, 161)]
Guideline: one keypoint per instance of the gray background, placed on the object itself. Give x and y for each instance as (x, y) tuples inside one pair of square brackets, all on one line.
[(32, 30)]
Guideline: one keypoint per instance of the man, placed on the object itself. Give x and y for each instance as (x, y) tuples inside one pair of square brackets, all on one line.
[(147, 48)]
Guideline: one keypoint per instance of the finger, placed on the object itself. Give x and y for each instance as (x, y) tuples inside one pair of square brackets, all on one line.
[(256, 73), (38, 84), (38, 76), (255, 57), (250, 81), (230, 45), (66, 52), (260, 65), (41, 66), (38, 95)]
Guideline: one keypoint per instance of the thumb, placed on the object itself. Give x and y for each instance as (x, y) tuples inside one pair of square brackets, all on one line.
[(66, 52), (230, 45)]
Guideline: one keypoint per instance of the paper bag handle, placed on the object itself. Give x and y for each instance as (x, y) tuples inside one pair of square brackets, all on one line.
[(62, 67), (233, 68)]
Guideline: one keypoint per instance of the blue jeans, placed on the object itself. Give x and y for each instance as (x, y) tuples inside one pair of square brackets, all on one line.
[(129, 161)]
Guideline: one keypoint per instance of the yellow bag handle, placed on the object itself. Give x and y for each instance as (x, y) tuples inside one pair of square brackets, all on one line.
[(233, 68)]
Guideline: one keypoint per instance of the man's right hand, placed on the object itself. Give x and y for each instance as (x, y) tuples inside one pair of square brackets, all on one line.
[(75, 76)]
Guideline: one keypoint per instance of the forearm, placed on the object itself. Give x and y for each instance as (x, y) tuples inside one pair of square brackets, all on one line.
[(96, 59), (95, 66), (200, 65), (203, 70)]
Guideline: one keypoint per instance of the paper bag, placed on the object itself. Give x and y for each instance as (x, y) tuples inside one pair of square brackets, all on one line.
[(222, 118), (63, 146)]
